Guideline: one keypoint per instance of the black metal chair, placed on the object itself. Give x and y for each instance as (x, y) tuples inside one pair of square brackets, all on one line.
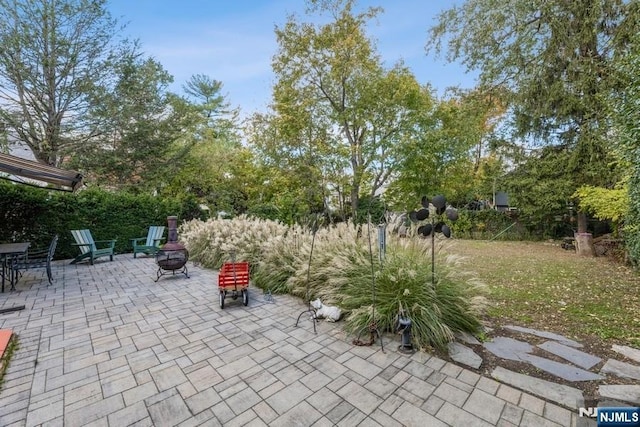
[(37, 258)]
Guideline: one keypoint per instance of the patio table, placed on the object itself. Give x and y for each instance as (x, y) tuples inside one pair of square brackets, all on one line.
[(8, 253)]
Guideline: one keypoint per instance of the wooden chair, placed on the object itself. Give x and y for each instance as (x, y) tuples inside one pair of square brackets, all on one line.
[(37, 258), (151, 242), (88, 247)]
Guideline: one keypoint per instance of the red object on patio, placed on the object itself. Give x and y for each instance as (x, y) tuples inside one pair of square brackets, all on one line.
[(5, 338), (233, 278)]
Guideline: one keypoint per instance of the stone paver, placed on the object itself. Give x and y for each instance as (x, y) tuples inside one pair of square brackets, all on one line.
[(545, 334), (626, 393), (577, 357), (467, 338), (567, 396), (561, 370), (464, 355), (621, 369), (631, 353), (106, 345), (484, 405), (508, 348)]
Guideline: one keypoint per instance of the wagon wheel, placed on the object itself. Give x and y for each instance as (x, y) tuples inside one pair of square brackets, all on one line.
[(245, 297), (222, 299)]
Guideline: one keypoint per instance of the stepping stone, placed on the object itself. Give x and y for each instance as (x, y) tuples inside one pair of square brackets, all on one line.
[(621, 369), (544, 334), (562, 370), (508, 348), (562, 394), (630, 352), (577, 357), (464, 355), (626, 393), (466, 337)]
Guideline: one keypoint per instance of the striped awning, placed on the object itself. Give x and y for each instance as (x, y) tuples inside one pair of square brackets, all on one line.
[(60, 178)]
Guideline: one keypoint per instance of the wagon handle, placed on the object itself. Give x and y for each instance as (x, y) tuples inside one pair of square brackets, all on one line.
[(233, 264)]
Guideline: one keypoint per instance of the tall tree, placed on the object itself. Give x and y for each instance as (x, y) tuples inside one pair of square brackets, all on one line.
[(143, 129), (332, 73), (292, 156), (53, 54), (552, 61), (455, 155), (206, 94)]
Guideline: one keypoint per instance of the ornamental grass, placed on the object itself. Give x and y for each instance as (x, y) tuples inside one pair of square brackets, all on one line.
[(339, 272), (215, 241), (403, 286)]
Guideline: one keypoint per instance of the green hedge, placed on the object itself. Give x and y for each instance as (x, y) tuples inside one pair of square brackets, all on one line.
[(632, 227), (36, 214)]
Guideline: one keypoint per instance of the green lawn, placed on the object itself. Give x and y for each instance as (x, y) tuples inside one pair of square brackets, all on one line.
[(538, 284)]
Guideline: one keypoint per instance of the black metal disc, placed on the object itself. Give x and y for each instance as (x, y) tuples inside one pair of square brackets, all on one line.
[(441, 210), (438, 227), (446, 231), (452, 214), (422, 214), (425, 202), (439, 201), (425, 230)]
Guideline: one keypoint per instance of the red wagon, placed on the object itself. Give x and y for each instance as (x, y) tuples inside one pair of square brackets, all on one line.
[(233, 279)]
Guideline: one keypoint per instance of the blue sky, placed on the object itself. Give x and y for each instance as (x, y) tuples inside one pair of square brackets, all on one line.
[(234, 41)]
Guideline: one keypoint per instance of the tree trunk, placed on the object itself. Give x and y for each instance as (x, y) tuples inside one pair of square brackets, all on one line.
[(582, 222), (354, 200), (584, 240)]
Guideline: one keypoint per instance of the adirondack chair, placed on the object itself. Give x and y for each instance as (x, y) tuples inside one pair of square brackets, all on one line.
[(37, 258), (151, 242), (88, 247)]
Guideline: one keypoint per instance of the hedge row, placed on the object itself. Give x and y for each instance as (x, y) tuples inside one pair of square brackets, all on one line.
[(35, 215)]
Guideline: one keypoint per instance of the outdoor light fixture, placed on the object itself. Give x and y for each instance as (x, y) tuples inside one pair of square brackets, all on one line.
[(403, 326)]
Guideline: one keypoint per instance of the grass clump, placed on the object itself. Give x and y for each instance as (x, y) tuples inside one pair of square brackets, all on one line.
[(339, 272), (215, 241), (6, 357), (453, 303)]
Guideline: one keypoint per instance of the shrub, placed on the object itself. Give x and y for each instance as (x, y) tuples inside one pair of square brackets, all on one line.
[(488, 224), (215, 241), (36, 214), (339, 272), (281, 260), (403, 285)]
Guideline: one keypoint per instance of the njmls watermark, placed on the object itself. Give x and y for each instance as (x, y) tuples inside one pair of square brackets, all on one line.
[(607, 413)]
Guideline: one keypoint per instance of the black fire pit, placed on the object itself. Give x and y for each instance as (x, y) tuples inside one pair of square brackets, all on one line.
[(172, 256)]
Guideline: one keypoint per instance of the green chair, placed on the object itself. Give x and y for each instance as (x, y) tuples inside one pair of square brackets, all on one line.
[(88, 247), (151, 242)]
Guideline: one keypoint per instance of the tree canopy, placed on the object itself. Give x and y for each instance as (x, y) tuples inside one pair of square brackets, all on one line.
[(552, 62), (54, 53), (140, 127), (333, 96)]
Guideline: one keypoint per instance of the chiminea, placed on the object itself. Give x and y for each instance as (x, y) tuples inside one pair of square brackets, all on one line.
[(172, 256)]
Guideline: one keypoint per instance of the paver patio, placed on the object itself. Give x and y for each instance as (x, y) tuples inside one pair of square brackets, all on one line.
[(107, 346)]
